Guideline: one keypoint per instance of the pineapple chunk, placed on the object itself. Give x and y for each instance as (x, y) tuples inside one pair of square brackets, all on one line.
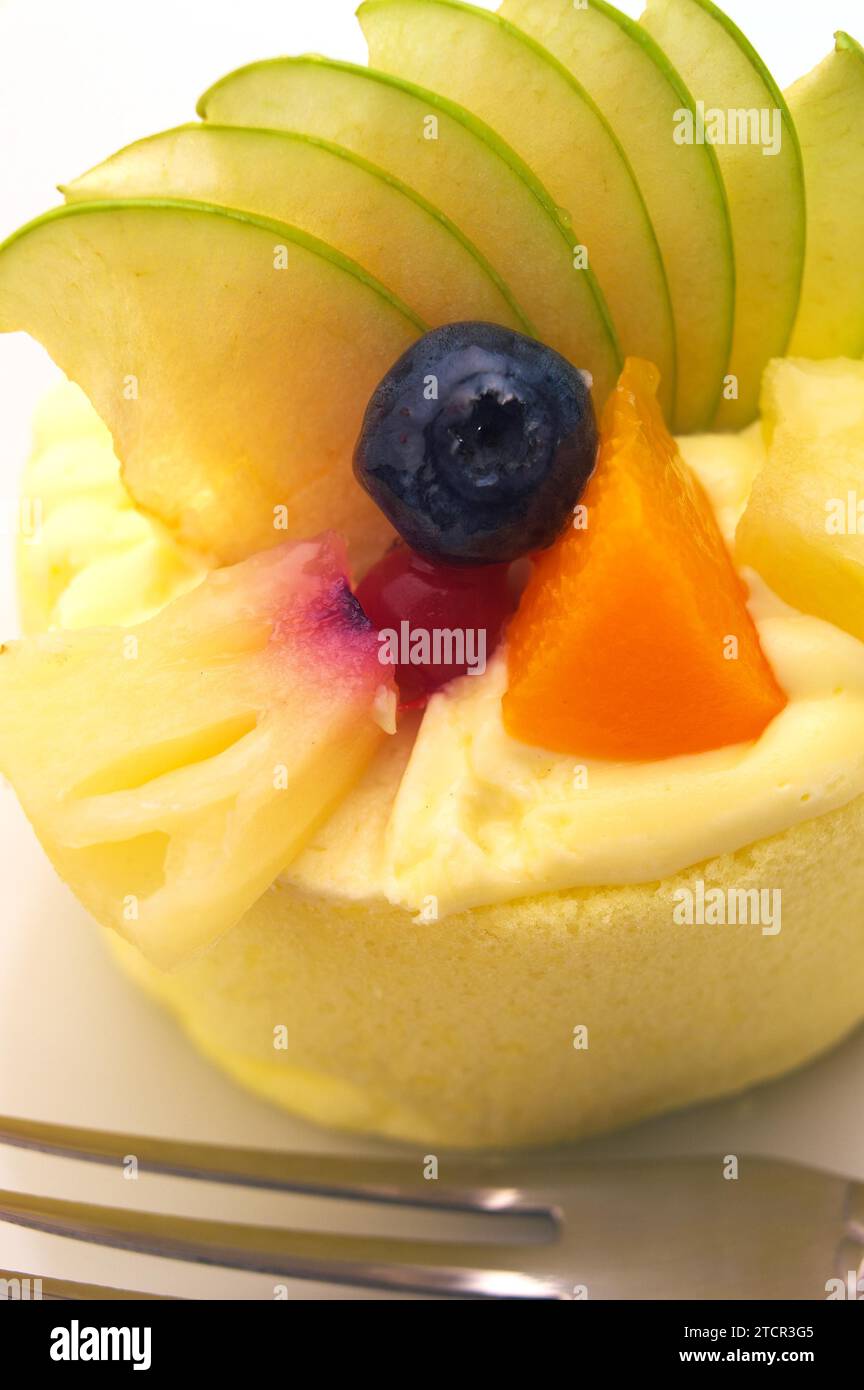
[(803, 529), (173, 769)]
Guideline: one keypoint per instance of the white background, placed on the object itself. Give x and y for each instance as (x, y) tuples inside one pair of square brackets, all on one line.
[(77, 80)]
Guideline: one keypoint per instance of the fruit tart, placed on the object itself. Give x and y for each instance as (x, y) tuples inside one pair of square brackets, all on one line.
[(442, 567)]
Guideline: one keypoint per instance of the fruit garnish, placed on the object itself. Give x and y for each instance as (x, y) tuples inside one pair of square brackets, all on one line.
[(533, 102), (477, 444), (435, 622), (746, 120), (229, 355), (173, 769), (803, 529), (411, 247), (827, 106), (643, 97), (633, 639), (460, 165)]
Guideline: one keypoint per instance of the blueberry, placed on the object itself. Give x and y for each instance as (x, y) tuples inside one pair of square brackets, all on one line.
[(478, 444)]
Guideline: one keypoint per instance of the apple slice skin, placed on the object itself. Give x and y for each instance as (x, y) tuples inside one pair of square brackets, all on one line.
[(639, 91), (230, 356), (766, 193), (454, 161), (325, 190), (559, 133), (827, 106)]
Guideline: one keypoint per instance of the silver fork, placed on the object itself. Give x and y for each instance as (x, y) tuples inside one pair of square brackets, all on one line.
[(672, 1228)]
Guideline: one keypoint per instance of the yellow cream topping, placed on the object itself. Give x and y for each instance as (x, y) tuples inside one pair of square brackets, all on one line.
[(86, 555), (456, 813)]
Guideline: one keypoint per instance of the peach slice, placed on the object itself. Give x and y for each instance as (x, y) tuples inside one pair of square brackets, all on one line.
[(633, 639)]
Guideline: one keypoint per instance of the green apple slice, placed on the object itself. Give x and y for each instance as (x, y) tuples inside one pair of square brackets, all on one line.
[(828, 108), (230, 356), (639, 92), (558, 131), (323, 189), (765, 190), (455, 162)]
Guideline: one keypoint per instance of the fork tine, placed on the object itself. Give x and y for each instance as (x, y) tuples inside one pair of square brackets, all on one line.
[(428, 1267), (463, 1185), (56, 1289)]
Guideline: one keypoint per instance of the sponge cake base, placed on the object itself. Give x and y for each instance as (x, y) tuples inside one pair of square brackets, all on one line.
[(461, 1031)]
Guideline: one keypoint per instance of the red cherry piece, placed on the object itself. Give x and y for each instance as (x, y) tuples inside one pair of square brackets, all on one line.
[(435, 622)]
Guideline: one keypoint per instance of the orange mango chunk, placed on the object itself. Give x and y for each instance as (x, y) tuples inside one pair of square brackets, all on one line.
[(633, 640)]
